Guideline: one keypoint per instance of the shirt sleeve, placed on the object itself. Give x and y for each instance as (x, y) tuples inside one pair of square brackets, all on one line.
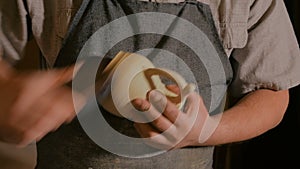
[(13, 29), (271, 57)]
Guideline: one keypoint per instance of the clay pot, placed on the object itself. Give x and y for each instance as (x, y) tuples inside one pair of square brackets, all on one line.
[(129, 76)]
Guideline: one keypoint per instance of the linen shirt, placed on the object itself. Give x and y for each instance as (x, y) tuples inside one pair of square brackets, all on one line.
[(257, 35)]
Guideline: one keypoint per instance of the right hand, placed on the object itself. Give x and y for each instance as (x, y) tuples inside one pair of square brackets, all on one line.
[(33, 104), (172, 128)]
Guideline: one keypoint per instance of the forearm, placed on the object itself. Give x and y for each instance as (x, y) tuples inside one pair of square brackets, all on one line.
[(255, 114)]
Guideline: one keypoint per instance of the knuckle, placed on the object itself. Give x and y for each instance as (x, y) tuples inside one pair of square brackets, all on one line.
[(151, 135), (145, 134), (171, 110), (156, 122), (12, 125), (24, 135), (17, 136), (68, 116), (70, 119), (160, 125)]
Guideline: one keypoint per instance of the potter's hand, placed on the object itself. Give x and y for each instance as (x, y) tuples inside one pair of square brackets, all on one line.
[(33, 103), (173, 128)]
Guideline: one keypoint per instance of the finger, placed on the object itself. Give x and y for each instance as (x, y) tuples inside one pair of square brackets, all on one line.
[(64, 75), (155, 118), (62, 107), (79, 101), (169, 109), (52, 78), (153, 137), (55, 112), (24, 121), (158, 100), (146, 130), (34, 86), (141, 104), (158, 105), (161, 123), (29, 117), (192, 104), (174, 88)]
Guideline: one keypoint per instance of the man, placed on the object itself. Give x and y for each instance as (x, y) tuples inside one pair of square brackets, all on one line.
[(257, 36)]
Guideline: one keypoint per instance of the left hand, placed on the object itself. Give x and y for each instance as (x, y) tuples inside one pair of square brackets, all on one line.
[(172, 128)]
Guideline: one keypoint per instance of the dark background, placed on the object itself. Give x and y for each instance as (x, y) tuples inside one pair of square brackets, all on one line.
[(279, 148)]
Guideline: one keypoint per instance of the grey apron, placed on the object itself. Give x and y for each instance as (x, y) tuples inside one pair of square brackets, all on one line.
[(70, 147)]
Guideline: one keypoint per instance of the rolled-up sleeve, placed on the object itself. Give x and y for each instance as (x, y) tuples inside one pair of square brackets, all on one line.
[(271, 57), (13, 29)]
